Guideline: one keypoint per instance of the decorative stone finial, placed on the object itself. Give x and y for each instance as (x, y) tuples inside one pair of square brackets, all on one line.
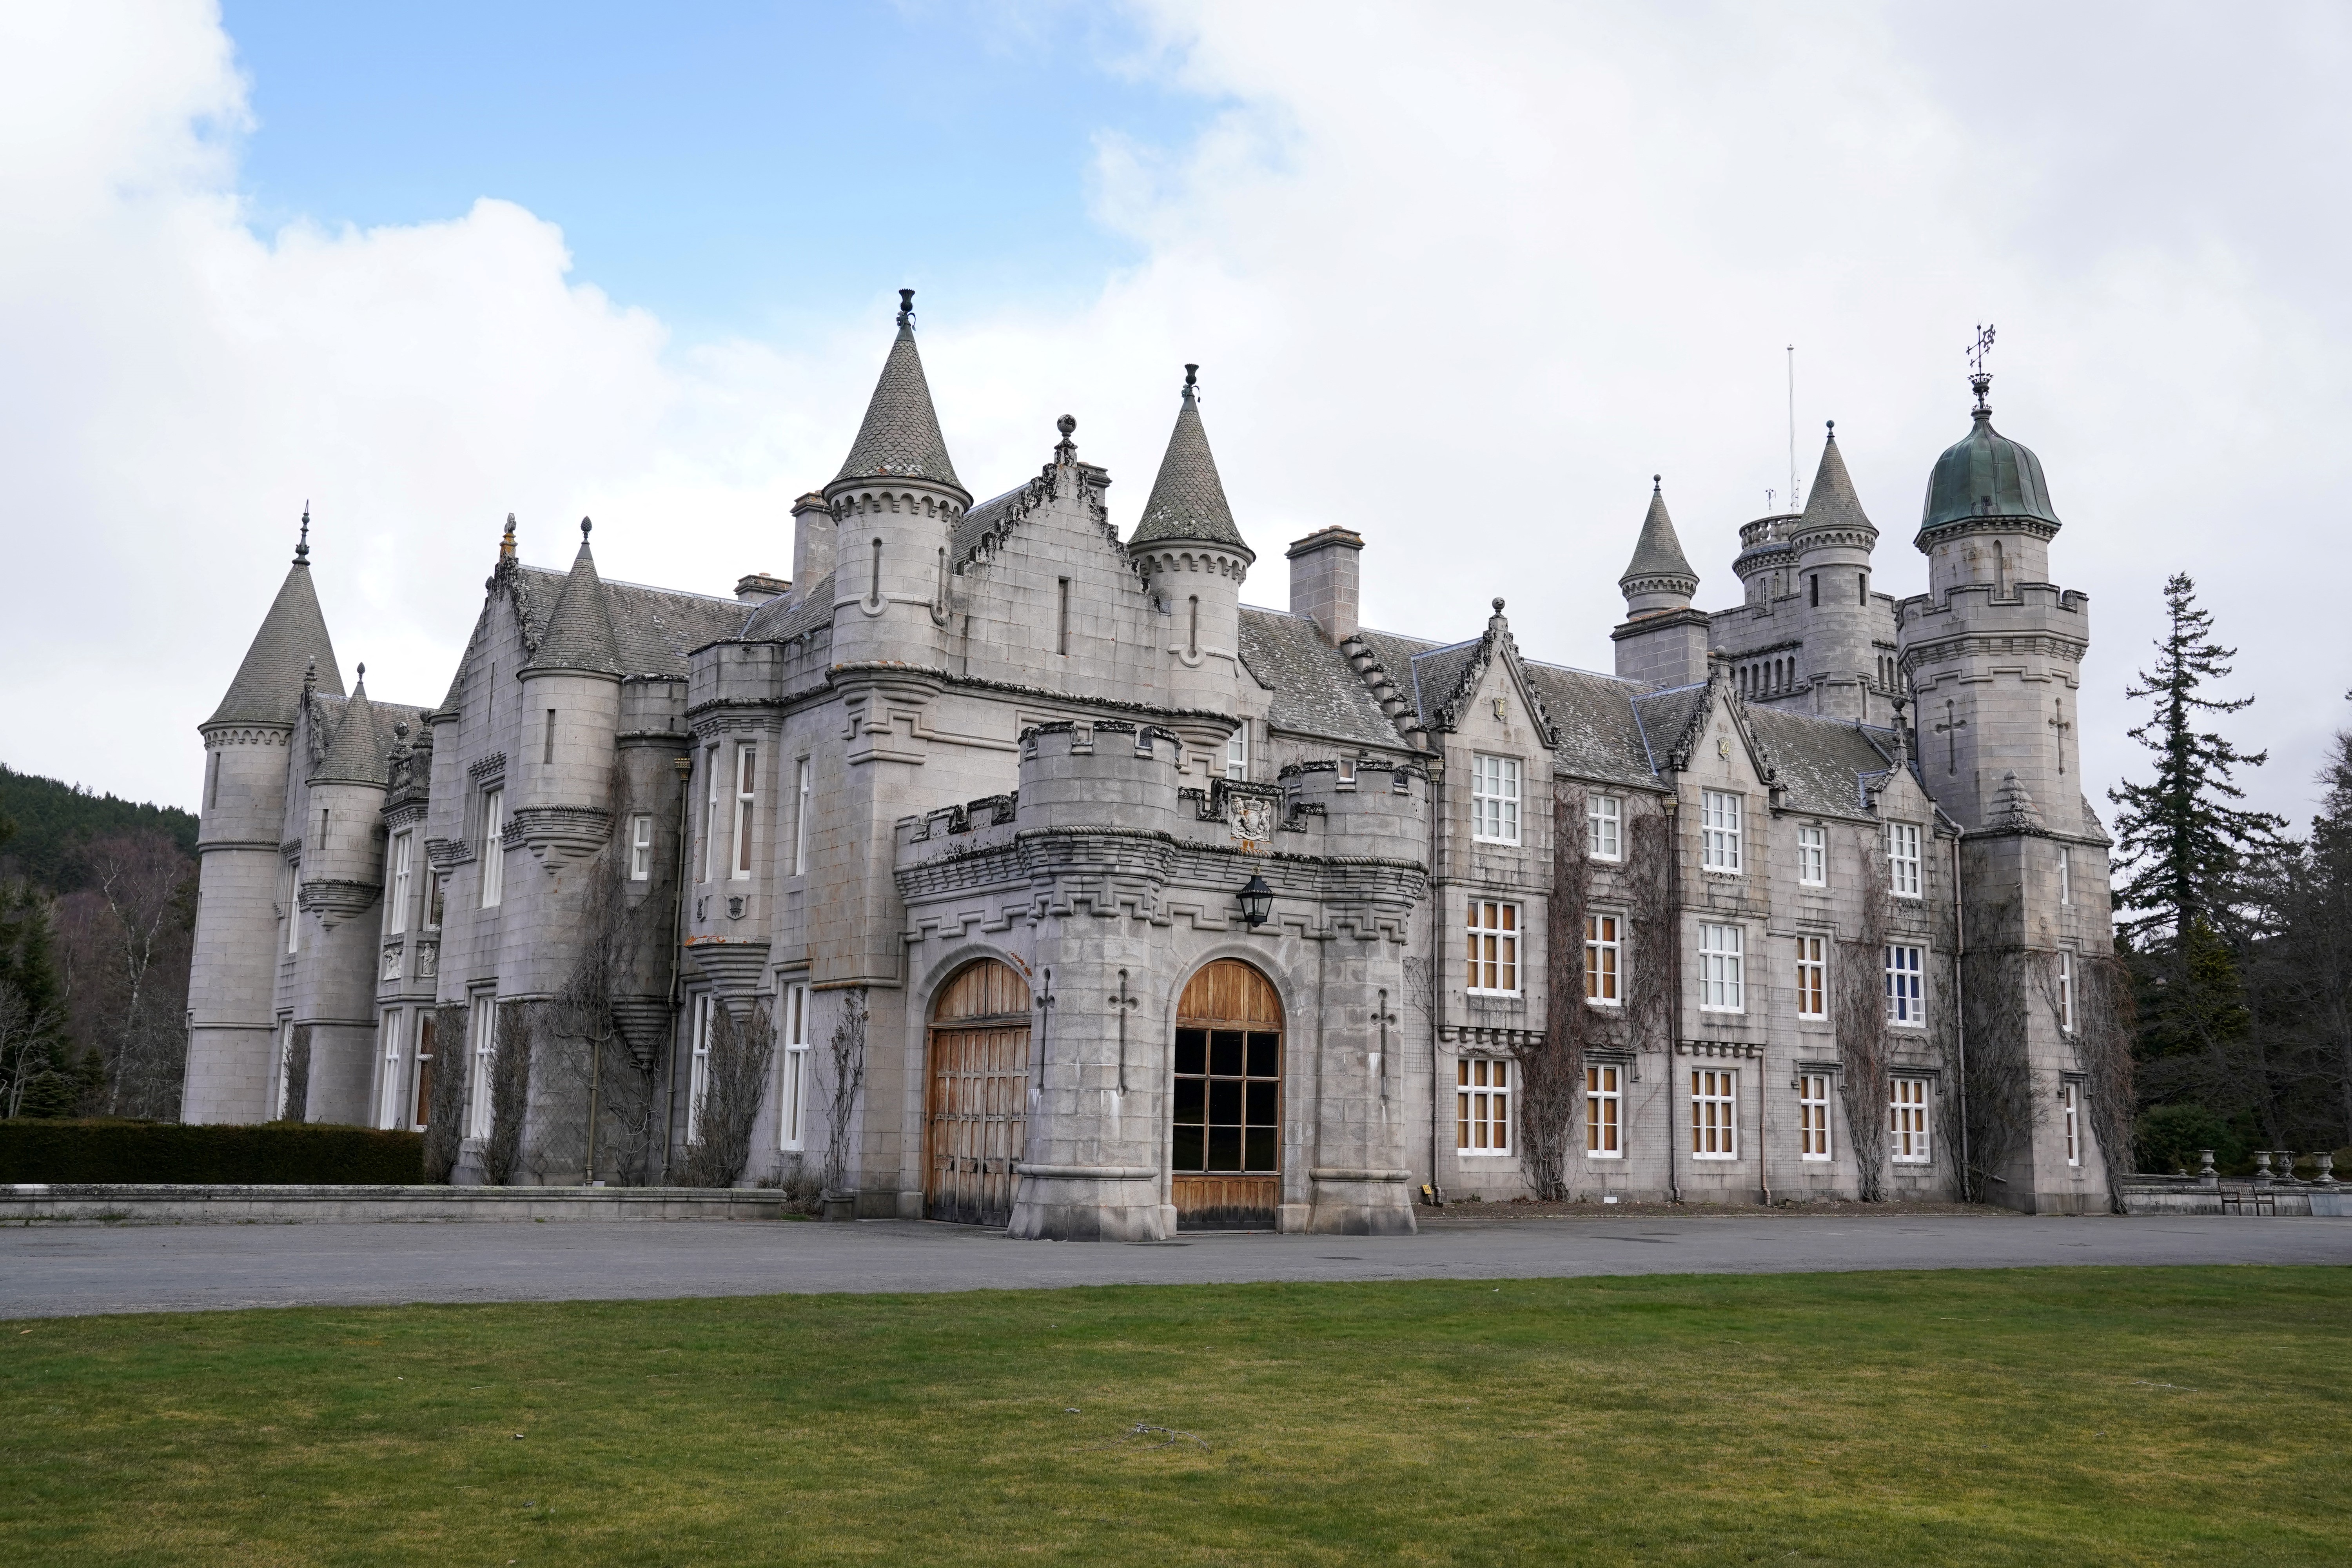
[(584, 526), (905, 306), (363, 674), (400, 729), (310, 680), (1498, 607), (1192, 380), (302, 549), (1067, 424), (1832, 424), (506, 544), (1901, 738), (1657, 483), (1066, 450)]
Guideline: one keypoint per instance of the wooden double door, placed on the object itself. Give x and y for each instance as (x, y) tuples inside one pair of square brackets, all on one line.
[(1225, 1132), (978, 1100)]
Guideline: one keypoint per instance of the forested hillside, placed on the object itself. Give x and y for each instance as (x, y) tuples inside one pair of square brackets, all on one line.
[(53, 819)]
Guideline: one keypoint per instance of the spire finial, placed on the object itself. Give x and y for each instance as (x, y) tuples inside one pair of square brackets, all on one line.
[(302, 549), (1832, 425), (1498, 607), (905, 306), (1657, 483), (1980, 378), (363, 675), (1066, 450), (507, 543), (584, 526), (1192, 382), (311, 678)]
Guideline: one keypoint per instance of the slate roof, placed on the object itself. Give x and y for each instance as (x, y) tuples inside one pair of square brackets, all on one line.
[(579, 634), (359, 738), (1662, 718), (1316, 690), (901, 433), (780, 620), (653, 628), (1659, 550), (1823, 764), (1834, 503), (1188, 498), (1592, 715), (268, 685)]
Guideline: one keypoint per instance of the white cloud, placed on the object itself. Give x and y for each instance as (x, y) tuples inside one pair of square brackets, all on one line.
[(1461, 278)]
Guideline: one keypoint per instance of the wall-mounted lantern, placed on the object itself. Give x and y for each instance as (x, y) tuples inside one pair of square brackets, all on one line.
[(1257, 902)]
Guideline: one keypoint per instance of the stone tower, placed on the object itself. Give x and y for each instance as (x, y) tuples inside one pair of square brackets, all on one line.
[(1664, 640), (1993, 651), (1831, 540), (246, 892), (1194, 562), (338, 900)]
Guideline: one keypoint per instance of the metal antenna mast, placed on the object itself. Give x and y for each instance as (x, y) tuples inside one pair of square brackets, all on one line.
[(1792, 430)]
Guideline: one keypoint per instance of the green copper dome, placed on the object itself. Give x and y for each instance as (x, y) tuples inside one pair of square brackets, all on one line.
[(1986, 474)]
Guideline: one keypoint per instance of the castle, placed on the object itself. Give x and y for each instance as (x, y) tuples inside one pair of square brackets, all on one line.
[(1002, 869)]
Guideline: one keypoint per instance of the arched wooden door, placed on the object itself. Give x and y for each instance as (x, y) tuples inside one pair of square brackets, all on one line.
[(978, 1094), (1226, 1142)]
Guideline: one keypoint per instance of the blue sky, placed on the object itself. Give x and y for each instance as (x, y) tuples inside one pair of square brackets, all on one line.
[(734, 168)]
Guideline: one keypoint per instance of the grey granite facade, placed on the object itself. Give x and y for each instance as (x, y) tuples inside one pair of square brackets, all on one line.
[(1087, 901)]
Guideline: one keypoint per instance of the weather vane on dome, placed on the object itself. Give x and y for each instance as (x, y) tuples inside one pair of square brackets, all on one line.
[(1978, 377)]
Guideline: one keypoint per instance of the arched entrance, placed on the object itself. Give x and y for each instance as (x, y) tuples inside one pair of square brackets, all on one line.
[(1225, 1141), (978, 1094)]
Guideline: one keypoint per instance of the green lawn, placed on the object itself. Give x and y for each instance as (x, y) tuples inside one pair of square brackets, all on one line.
[(2076, 1417)]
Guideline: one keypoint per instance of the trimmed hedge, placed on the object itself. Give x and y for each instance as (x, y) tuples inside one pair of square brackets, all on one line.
[(277, 1153)]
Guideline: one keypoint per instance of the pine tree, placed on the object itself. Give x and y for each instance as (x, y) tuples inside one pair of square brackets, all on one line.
[(2182, 839)]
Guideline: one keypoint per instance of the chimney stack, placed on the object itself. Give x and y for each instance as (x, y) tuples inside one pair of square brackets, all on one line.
[(812, 540), (1323, 580), (758, 588)]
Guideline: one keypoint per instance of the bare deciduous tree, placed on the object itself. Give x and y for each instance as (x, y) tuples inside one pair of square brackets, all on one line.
[(735, 1074)]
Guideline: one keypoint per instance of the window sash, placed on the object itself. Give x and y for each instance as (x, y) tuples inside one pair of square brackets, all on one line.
[(2065, 875), (2070, 1096), (1813, 855), (1722, 951), (710, 813), (801, 820), (1493, 948), (747, 775), (1719, 831), (1604, 822), (1603, 1113), (494, 852), (1715, 1113), (388, 1091), (1602, 951), (1907, 1120), (1493, 799), (484, 1030), (641, 848), (1812, 978), (1482, 1106), (1907, 1000), (1813, 1116), (1903, 859), (792, 1101), (395, 906), (698, 1078), (2066, 993), (1237, 751)]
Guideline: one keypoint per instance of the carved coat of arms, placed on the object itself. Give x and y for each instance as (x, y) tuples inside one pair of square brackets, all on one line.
[(1252, 821)]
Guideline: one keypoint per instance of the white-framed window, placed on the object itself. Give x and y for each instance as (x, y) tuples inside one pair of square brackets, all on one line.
[(1722, 963), (395, 900), (801, 782), (1903, 859), (1237, 751), (697, 1074), (493, 849), (1715, 1113), (710, 813), (1719, 830), (2066, 992), (1493, 799), (1604, 828), (388, 1095), (483, 1026), (1906, 995), (791, 1102), (289, 882), (1482, 1106), (1812, 978), (1813, 855), (1604, 1106), (747, 798), (2065, 875), (1603, 948), (1493, 947), (641, 847), (436, 886), (1907, 1119), (1813, 1116), (2070, 1119), (421, 1098)]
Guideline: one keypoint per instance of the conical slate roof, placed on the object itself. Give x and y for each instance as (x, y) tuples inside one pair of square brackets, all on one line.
[(356, 754), (579, 633), (1986, 474), (901, 434), (1188, 500), (268, 685), (1833, 503), (1659, 551)]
